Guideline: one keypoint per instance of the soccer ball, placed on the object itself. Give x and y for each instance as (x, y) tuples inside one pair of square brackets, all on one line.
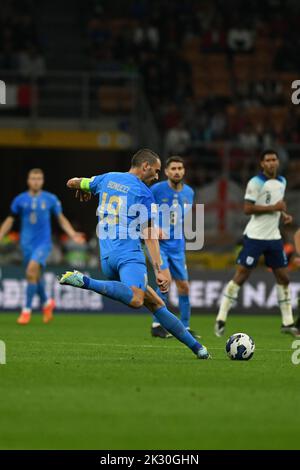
[(240, 347)]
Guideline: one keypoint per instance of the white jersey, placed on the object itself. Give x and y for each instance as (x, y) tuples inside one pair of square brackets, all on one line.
[(263, 192)]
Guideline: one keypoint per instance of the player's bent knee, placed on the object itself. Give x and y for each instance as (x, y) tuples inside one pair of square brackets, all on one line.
[(152, 300), (137, 302), (183, 288), (32, 272), (241, 276), (31, 276), (153, 306), (240, 280), (283, 281), (282, 278)]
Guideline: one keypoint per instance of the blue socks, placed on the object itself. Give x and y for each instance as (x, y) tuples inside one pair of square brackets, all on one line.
[(31, 290), (119, 291), (185, 310), (114, 289), (41, 291), (171, 323)]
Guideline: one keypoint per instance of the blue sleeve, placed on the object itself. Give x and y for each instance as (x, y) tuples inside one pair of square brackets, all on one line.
[(15, 206), (56, 207), (95, 184)]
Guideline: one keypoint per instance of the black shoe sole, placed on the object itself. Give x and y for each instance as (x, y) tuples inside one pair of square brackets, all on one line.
[(161, 337)]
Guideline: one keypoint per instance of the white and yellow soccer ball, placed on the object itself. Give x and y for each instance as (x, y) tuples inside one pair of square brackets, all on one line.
[(240, 347)]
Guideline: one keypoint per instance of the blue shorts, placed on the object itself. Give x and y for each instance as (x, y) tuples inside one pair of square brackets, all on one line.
[(176, 263), (272, 250), (129, 268), (39, 254)]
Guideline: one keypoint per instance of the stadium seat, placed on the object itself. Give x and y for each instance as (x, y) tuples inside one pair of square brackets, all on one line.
[(115, 99)]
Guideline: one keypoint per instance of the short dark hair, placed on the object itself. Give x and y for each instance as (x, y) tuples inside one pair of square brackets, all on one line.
[(36, 171), (174, 159), (142, 156), (268, 152)]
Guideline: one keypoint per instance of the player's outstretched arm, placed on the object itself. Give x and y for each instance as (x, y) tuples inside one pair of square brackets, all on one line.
[(6, 226), (82, 188), (67, 227), (74, 183), (250, 208)]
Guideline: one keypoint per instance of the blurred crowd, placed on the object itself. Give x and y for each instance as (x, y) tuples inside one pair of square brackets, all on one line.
[(162, 40), (20, 44), (64, 252), (154, 40)]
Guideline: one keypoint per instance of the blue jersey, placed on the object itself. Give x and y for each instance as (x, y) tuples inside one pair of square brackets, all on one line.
[(125, 204), (35, 214), (164, 194)]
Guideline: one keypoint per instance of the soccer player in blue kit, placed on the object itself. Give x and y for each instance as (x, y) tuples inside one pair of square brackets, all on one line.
[(34, 208), (121, 197), (177, 196)]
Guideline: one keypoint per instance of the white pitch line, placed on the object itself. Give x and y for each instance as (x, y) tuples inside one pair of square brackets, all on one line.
[(150, 346)]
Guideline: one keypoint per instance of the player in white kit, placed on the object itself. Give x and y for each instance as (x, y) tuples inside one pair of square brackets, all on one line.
[(297, 246), (264, 201)]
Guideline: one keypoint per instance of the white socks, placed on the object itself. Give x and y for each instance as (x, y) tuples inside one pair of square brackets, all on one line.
[(230, 295), (27, 311), (284, 300)]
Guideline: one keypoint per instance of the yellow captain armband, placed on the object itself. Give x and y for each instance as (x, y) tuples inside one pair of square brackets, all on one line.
[(85, 184)]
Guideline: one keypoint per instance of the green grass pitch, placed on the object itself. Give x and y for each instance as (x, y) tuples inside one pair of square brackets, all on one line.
[(101, 382)]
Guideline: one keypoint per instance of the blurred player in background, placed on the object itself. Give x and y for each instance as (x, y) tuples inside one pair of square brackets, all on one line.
[(297, 241), (175, 194), (297, 246), (264, 202), (122, 258), (34, 208)]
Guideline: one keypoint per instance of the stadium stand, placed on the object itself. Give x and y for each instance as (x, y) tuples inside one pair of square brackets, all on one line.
[(216, 76)]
